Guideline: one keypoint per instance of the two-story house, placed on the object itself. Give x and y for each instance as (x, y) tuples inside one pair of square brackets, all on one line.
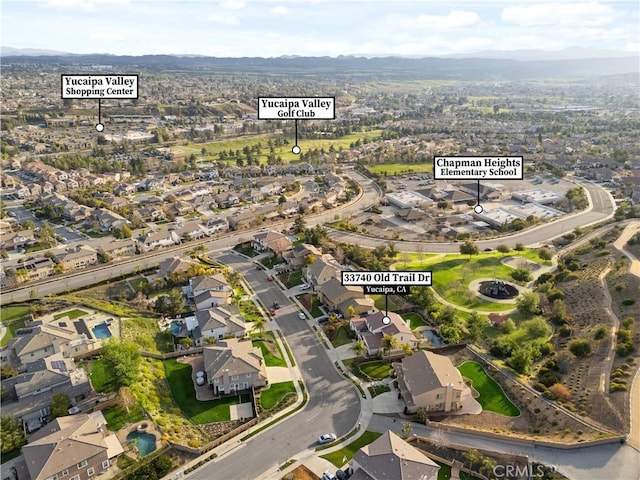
[(234, 365), (372, 328), (78, 259), (216, 323), (338, 297)]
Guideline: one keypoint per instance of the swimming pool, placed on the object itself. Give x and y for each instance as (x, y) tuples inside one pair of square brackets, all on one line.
[(101, 331), (175, 327), (145, 442)]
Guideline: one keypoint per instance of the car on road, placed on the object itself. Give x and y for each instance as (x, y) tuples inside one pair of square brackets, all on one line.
[(276, 305), (270, 278), (301, 316), (305, 286), (327, 438), (272, 311)]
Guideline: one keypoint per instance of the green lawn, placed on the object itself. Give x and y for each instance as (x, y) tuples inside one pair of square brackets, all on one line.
[(492, 398), (276, 391), (101, 379), (14, 318), (377, 370), (271, 352), (11, 314), (315, 307), (249, 310), (291, 279), (415, 320), (181, 385), (117, 416), (72, 314), (341, 336), (338, 457), (455, 272), (381, 303), (391, 169)]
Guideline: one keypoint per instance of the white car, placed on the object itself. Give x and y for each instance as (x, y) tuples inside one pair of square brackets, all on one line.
[(329, 476), (305, 286), (327, 438), (301, 316)]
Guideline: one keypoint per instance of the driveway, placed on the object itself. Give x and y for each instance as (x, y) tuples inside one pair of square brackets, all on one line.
[(279, 374), (388, 402)]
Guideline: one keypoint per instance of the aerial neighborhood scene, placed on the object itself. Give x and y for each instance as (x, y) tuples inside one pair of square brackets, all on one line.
[(319, 240)]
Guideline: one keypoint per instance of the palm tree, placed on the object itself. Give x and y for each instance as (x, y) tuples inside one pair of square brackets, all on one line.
[(358, 348), (259, 324), (389, 342)]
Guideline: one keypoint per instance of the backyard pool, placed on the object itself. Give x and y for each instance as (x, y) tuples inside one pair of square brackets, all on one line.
[(145, 442), (175, 327), (433, 337), (101, 331)]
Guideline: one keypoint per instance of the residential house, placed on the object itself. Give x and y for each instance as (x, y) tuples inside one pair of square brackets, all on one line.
[(430, 381), (216, 323), (32, 390), (234, 365), (338, 297), (174, 267), (216, 225), (35, 269), (119, 248), (227, 199), (323, 268), (160, 238), (208, 291), (108, 220), (271, 240), (17, 240), (372, 328), (289, 208), (244, 219), (298, 255), (390, 457), (79, 258), (191, 231), (76, 447)]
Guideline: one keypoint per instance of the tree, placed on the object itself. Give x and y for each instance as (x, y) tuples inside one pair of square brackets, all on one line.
[(521, 359), (60, 405), (475, 326), (351, 312), (519, 246), (126, 398), (521, 275), (11, 434), (388, 343), (537, 328), (469, 248), (580, 347), (503, 248), (186, 342), (528, 304), (559, 392), (408, 350), (123, 361), (299, 224), (358, 348), (545, 254), (407, 428), (260, 324), (508, 326)]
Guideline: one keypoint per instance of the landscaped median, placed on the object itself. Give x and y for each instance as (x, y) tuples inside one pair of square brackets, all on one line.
[(347, 452)]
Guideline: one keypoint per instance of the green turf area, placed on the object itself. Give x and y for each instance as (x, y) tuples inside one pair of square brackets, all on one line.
[(391, 169), (101, 379), (345, 454), (453, 274), (11, 331), (492, 398), (415, 320), (276, 391), (376, 369), (72, 314), (342, 336), (283, 151), (181, 385), (271, 352), (291, 279), (117, 416), (381, 302), (11, 314)]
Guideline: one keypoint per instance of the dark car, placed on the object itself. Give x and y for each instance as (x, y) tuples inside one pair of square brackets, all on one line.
[(276, 305), (323, 319)]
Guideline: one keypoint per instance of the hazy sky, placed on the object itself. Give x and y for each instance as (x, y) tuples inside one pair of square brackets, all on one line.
[(270, 28)]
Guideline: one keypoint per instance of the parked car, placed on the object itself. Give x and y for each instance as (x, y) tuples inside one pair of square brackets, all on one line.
[(323, 319), (305, 286), (272, 312), (276, 305), (270, 278), (342, 475), (327, 438), (327, 475), (301, 316)]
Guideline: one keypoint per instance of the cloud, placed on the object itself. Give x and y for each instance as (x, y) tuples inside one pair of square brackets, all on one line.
[(224, 19), (106, 37), (557, 14), (279, 10), (232, 4), (81, 4), (454, 20)]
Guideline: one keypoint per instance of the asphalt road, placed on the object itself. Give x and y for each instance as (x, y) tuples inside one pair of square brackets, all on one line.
[(333, 406)]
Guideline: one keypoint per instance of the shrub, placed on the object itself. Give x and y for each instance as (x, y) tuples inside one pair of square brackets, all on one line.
[(628, 301), (617, 387), (549, 378), (580, 348), (564, 331), (627, 322), (624, 349), (559, 392), (521, 275), (600, 333)]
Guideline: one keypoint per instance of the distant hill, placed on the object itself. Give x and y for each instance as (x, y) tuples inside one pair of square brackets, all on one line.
[(378, 67), (571, 53), (29, 52)]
